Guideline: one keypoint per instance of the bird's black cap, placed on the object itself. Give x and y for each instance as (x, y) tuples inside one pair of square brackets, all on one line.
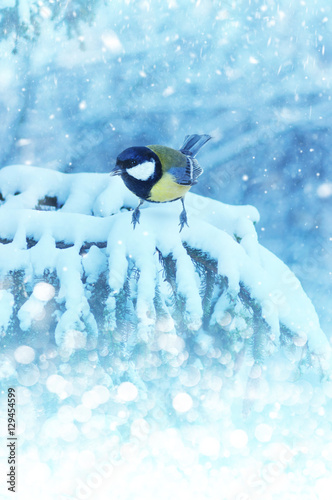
[(136, 153)]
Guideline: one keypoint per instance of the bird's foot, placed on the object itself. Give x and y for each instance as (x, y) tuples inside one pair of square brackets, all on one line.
[(135, 217), (183, 220)]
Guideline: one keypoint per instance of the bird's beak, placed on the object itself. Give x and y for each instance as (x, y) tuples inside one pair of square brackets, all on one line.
[(116, 171)]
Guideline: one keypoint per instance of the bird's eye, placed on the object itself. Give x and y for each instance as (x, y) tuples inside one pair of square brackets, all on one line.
[(133, 163)]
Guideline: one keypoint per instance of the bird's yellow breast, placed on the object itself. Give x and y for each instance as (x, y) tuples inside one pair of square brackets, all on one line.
[(166, 189)]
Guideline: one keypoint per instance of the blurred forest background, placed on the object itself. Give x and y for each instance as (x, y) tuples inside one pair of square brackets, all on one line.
[(82, 80)]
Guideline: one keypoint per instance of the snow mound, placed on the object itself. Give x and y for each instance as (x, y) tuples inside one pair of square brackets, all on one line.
[(73, 233)]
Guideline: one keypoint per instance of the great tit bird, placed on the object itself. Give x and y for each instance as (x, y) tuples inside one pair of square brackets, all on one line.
[(160, 174)]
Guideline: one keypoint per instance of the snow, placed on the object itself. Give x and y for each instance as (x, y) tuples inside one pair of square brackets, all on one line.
[(182, 402), (24, 11), (24, 354), (255, 77), (238, 438), (32, 309), (225, 232), (6, 307), (127, 391)]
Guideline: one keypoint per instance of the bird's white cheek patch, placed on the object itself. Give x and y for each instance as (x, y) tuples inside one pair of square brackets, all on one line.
[(143, 171)]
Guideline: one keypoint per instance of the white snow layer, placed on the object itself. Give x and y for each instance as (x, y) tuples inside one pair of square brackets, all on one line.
[(94, 208)]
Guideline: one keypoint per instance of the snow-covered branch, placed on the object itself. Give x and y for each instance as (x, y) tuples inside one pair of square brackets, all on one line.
[(71, 263)]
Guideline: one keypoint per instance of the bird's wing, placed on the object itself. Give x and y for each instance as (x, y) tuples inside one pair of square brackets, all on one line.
[(184, 168), (187, 176)]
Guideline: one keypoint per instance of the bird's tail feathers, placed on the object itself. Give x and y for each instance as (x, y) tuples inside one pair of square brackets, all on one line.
[(193, 143)]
